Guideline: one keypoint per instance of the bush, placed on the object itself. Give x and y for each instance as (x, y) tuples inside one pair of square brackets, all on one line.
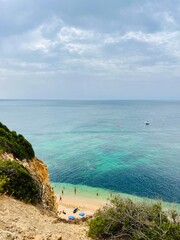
[(124, 219), (3, 182), (11, 142), (15, 180)]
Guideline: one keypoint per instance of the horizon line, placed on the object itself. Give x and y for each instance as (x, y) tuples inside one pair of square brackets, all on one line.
[(61, 99)]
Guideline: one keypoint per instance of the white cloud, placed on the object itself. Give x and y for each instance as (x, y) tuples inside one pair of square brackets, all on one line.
[(157, 38), (169, 18), (68, 33), (79, 48), (167, 42), (139, 36), (166, 19), (35, 41), (56, 49), (41, 44), (77, 40), (74, 40)]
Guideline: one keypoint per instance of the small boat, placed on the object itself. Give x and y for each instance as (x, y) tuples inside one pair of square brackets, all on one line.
[(147, 122)]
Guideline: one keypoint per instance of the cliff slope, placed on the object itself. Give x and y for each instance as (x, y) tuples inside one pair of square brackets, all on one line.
[(24, 221), (21, 173), (39, 173)]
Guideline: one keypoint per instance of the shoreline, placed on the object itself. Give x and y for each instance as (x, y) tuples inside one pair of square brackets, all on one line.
[(89, 199), (87, 202), (67, 205)]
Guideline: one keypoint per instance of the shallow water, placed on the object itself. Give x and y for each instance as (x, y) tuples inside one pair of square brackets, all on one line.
[(104, 144), (90, 194)]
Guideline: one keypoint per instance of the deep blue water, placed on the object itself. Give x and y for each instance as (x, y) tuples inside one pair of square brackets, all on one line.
[(104, 144)]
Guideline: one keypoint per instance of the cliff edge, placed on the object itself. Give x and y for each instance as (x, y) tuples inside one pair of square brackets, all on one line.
[(22, 175), (39, 173)]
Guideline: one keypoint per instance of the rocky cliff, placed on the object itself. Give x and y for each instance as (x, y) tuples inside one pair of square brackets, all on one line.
[(39, 172), (21, 173)]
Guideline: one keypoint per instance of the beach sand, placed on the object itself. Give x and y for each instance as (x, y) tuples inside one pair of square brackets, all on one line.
[(89, 199), (84, 205)]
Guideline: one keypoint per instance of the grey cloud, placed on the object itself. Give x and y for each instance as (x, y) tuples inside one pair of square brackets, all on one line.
[(105, 15), (88, 46)]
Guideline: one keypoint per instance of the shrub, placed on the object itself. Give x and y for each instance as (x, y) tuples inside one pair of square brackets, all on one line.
[(124, 219), (3, 182), (11, 142), (15, 180)]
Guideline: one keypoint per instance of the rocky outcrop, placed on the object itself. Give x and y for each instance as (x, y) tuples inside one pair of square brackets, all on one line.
[(39, 172)]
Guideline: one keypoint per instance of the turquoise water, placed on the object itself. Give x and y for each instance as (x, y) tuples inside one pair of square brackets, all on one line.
[(88, 194), (104, 144)]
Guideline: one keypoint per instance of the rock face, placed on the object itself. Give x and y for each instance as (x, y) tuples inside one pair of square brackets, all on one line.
[(30, 184), (39, 172)]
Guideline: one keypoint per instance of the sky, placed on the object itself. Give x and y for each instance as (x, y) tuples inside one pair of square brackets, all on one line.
[(90, 49)]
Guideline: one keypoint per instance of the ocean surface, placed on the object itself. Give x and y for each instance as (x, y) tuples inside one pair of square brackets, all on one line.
[(104, 144)]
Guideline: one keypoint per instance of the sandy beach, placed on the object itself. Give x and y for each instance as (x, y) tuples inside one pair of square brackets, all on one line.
[(86, 199), (85, 205), (89, 199)]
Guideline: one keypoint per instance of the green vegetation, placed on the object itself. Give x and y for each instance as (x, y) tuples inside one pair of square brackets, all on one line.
[(16, 181), (123, 219), (14, 143), (14, 178)]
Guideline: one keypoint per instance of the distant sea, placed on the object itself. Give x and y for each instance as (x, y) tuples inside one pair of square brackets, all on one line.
[(104, 144)]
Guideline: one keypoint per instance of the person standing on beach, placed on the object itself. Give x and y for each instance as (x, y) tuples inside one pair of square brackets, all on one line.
[(75, 190), (62, 192)]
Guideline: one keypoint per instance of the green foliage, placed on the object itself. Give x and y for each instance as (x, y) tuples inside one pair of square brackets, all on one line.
[(3, 182), (15, 180), (124, 219), (14, 143)]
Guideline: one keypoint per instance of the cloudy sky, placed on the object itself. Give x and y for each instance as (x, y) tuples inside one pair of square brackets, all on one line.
[(90, 49)]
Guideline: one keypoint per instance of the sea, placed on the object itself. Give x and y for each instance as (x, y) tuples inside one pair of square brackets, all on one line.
[(104, 145)]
